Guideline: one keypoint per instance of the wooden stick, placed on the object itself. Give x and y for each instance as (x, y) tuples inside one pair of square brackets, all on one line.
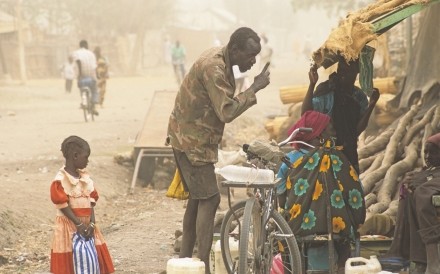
[(395, 171)]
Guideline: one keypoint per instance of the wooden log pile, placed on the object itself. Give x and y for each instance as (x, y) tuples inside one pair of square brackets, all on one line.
[(397, 150), (295, 94)]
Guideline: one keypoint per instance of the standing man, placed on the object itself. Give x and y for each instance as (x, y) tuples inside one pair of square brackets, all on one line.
[(178, 55), (204, 103), (86, 62), (266, 51)]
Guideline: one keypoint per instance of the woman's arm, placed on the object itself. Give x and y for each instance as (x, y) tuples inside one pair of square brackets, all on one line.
[(307, 102), (363, 122), (91, 228)]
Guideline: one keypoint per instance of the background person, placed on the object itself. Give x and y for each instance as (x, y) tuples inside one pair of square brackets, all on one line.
[(68, 71), (178, 55), (266, 51), (101, 74), (417, 233), (86, 62), (204, 103)]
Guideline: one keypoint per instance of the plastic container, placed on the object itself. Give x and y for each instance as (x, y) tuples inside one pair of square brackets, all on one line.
[(363, 266), (219, 264), (246, 174), (318, 257), (185, 266), (212, 254)]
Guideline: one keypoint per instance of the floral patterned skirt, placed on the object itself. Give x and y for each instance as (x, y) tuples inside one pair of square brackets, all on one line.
[(320, 180)]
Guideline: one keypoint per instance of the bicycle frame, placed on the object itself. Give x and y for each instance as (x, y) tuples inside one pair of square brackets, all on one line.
[(268, 228), (87, 102)]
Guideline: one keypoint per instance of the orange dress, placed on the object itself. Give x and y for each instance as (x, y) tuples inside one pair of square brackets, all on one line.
[(81, 195)]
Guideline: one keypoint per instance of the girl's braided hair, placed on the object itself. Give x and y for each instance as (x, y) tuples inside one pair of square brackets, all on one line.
[(72, 144)]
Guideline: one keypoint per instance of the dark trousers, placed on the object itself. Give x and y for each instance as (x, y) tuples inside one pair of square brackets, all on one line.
[(417, 223), (68, 85)]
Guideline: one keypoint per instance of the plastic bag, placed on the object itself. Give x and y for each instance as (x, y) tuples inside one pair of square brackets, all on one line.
[(176, 189), (85, 257), (277, 265)]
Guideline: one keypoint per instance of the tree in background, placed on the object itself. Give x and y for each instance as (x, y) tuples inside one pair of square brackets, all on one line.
[(98, 20)]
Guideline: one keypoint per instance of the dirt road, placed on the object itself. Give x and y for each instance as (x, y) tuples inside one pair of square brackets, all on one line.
[(139, 228)]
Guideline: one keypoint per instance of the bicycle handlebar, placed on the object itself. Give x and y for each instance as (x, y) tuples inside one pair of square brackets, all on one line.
[(270, 152), (294, 133)]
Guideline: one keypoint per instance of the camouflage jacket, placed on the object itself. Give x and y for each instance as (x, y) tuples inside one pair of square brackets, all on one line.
[(204, 103)]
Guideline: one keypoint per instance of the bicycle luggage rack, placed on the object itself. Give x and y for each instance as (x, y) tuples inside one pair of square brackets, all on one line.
[(248, 184)]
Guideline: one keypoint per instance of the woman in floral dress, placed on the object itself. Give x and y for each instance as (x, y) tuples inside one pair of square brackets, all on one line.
[(323, 183)]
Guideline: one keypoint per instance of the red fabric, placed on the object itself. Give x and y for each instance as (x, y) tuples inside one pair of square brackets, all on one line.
[(435, 139), (57, 194), (311, 119), (105, 262), (61, 263), (94, 195), (82, 212)]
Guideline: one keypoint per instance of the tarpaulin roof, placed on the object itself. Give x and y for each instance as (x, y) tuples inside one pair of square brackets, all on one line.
[(356, 30)]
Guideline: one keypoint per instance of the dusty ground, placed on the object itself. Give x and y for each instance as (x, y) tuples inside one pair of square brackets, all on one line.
[(139, 228)]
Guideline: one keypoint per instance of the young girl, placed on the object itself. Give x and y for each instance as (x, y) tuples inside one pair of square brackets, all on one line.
[(74, 195)]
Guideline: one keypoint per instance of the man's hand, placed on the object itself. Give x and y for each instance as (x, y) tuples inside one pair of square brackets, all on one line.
[(313, 74), (263, 79), (374, 96)]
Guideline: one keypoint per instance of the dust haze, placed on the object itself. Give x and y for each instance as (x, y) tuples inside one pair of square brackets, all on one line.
[(134, 34)]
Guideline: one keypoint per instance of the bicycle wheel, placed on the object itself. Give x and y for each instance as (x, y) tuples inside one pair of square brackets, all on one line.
[(229, 233), (250, 239), (275, 247), (84, 106), (91, 109), (286, 247)]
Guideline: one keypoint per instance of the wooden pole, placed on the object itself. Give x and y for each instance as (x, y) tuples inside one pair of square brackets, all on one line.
[(20, 40)]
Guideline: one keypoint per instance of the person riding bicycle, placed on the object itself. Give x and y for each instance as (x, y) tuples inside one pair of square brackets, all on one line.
[(86, 62)]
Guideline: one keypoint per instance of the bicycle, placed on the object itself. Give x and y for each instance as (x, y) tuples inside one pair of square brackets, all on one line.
[(263, 233), (87, 104)]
